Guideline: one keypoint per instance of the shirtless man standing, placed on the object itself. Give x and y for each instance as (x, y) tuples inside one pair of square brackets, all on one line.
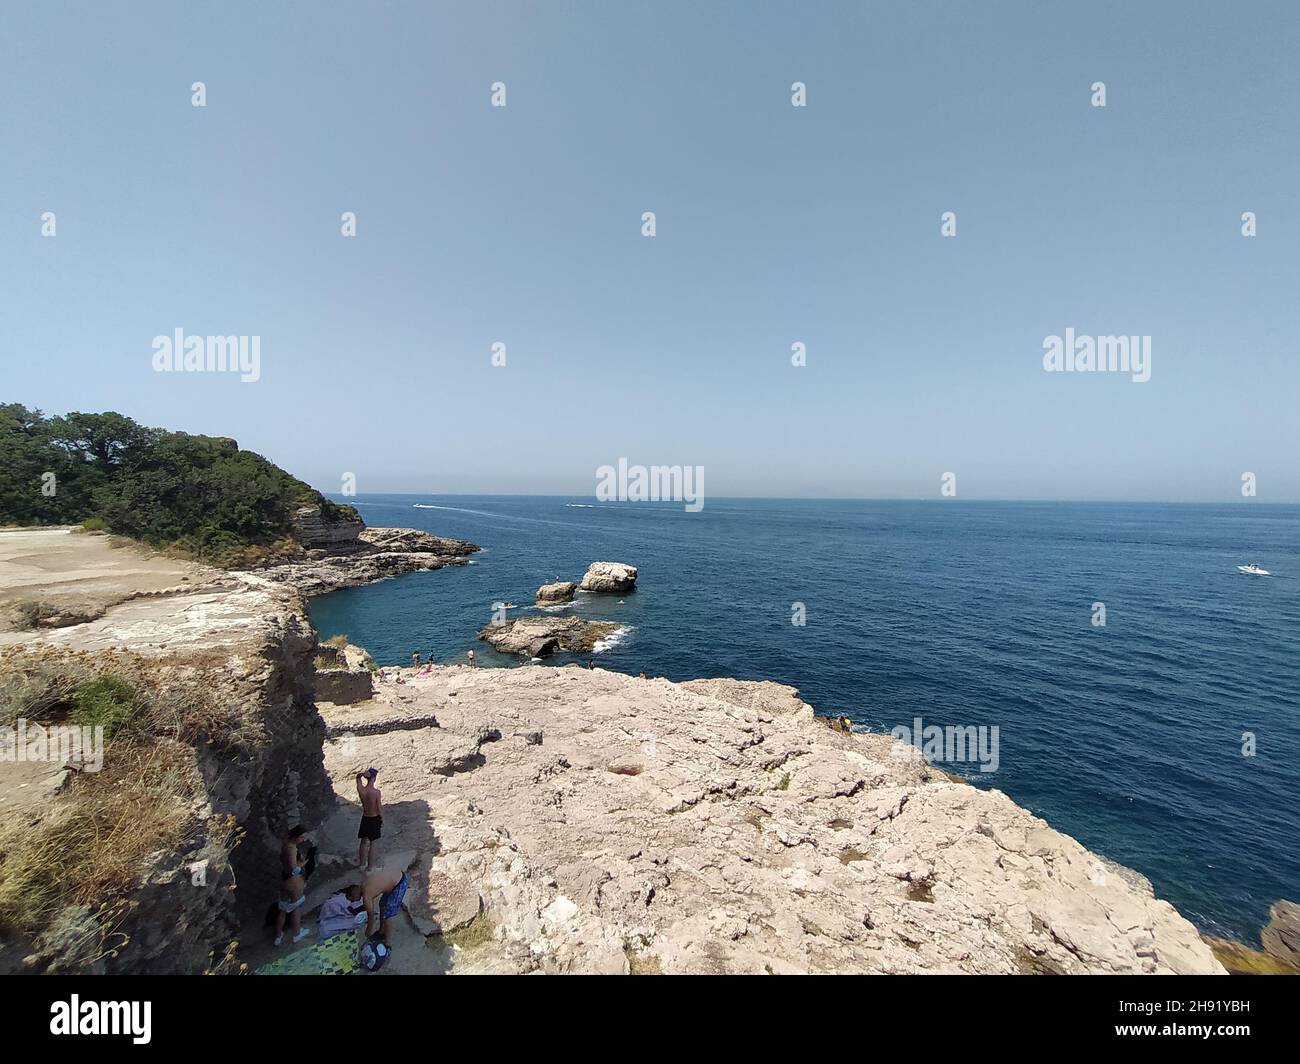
[(372, 818), (382, 892)]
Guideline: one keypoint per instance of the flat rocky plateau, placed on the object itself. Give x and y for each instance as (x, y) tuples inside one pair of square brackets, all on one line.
[(597, 822)]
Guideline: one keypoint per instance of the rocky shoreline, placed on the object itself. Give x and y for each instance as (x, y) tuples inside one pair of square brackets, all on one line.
[(583, 820), (349, 554)]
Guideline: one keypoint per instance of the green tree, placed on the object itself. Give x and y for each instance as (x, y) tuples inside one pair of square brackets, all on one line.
[(200, 493)]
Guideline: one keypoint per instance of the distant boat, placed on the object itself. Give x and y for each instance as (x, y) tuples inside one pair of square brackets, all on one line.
[(1253, 570), (504, 606)]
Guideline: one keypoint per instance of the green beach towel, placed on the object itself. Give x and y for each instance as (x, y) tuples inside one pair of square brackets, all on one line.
[(334, 956)]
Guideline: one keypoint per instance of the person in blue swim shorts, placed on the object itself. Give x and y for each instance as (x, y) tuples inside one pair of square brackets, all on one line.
[(383, 892)]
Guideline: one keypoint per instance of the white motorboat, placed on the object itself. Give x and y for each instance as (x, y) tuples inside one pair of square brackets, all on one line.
[(1253, 570)]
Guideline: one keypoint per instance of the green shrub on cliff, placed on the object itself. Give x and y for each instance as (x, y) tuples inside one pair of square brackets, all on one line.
[(107, 702), (200, 494)]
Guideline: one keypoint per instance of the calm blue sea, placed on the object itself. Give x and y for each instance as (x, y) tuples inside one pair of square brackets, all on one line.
[(1128, 736)]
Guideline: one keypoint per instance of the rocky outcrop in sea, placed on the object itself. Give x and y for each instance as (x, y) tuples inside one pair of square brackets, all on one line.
[(614, 577), (540, 636), (556, 594), (367, 555)]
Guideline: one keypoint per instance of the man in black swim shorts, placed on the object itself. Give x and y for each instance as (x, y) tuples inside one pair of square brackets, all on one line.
[(372, 819)]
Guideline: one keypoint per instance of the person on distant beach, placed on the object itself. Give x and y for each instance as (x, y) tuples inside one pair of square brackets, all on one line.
[(415, 659), (372, 818), (383, 892), (470, 654), (591, 663), (641, 677), (293, 885)]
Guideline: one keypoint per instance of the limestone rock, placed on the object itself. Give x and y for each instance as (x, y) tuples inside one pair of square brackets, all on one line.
[(716, 826), (1281, 936), (609, 576), (313, 530), (413, 541), (376, 553), (557, 593), (538, 636), (439, 902)]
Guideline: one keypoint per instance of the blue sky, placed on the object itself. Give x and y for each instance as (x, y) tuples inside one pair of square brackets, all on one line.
[(776, 224)]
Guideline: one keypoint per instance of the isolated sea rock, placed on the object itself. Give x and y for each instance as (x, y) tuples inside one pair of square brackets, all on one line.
[(539, 636), (609, 576), (555, 594)]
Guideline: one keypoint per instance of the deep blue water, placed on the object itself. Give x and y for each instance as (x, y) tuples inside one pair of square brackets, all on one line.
[(1128, 737)]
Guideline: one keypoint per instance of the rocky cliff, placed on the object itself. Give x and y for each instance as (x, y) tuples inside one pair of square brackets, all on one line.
[(248, 767), (574, 820), (587, 821), (314, 531)]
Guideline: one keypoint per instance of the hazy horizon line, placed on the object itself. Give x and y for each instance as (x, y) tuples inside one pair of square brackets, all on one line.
[(361, 496)]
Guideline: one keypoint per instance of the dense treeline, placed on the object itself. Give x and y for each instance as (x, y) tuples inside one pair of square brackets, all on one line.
[(197, 493)]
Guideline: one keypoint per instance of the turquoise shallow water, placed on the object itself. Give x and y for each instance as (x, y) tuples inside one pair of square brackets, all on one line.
[(1128, 737)]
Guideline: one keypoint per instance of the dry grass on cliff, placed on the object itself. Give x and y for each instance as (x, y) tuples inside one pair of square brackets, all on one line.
[(176, 700), (89, 846)]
